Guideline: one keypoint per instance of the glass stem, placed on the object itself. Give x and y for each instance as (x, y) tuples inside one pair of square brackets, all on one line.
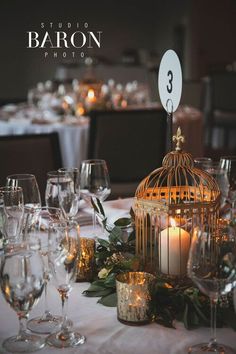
[(64, 303), (23, 317), (213, 302), (94, 221), (46, 310), (232, 210)]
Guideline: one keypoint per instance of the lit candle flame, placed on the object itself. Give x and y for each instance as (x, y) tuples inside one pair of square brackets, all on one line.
[(91, 94), (172, 222)]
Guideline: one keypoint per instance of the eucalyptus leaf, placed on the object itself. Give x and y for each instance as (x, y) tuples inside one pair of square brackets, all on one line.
[(94, 205), (100, 293), (103, 243), (123, 222), (100, 207), (110, 281), (132, 213), (115, 234), (94, 287), (109, 300), (131, 237)]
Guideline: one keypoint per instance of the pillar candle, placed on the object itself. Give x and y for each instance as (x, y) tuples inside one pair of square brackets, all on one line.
[(174, 246)]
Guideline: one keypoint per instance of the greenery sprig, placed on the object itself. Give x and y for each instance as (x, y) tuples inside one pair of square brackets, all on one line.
[(169, 302), (112, 256)]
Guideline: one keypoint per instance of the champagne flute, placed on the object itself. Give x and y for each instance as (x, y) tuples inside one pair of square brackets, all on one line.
[(69, 195), (94, 182), (30, 189), (63, 260), (21, 280), (11, 213), (37, 230), (212, 267)]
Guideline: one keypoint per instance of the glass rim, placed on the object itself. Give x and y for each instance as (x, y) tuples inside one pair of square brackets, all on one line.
[(207, 159), (93, 161), (53, 173), (228, 157), (69, 169), (21, 176)]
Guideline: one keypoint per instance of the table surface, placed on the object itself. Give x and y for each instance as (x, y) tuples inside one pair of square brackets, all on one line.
[(104, 333)]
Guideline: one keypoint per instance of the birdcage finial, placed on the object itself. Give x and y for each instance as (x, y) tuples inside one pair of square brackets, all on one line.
[(179, 139)]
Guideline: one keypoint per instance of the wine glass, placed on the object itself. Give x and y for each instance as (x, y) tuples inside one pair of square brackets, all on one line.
[(63, 260), (212, 267), (38, 229), (22, 282), (220, 176), (228, 164), (203, 163), (94, 182), (11, 214), (29, 186), (69, 195)]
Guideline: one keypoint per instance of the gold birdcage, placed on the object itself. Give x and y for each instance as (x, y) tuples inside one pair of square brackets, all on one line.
[(169, 203)]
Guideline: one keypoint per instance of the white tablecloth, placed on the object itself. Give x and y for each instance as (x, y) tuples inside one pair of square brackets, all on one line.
[(105, 334), (73, 138)]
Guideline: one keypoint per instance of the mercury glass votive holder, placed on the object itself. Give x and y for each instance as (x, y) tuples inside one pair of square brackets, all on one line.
[(133, 297), (86, 261)]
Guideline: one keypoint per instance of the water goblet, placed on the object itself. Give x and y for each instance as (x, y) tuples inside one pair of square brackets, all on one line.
[(94, 182), (22, 282), (11, 214), (212, 267), (63, 260), (29, 186)]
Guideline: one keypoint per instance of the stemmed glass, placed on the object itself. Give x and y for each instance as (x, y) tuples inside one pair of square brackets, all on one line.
[(220, 176), (11, 213), (203, 163), (228, 164), (94, 182), (38, 230), (29, 186), (69, 194), (22, 282), (63, 260), (212, 267), (32, 198)]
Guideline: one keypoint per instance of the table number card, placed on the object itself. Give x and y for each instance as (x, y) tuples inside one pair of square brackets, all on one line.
[(170, 88), (170, 81)]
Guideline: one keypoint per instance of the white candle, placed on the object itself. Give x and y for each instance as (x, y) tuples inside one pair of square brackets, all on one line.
[(174, 246)]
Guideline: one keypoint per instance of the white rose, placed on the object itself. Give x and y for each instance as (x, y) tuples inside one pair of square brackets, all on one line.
[(103, 273)]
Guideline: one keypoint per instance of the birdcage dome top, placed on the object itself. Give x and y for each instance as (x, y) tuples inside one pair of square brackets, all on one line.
[(178, 181)]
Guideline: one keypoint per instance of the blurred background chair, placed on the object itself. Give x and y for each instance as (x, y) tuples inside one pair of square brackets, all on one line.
[(133, 142), (219, 107), (35, 154)]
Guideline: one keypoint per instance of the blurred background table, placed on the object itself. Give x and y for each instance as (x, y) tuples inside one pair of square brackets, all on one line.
[(74, 133)]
